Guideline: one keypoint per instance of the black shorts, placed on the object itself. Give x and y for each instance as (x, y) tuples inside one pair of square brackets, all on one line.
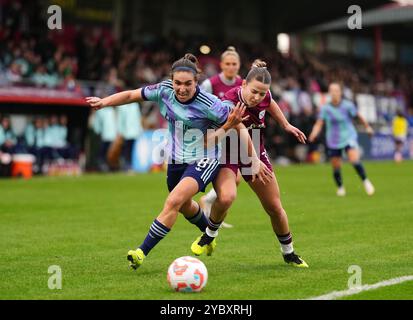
[(203, 171), (338, 153)]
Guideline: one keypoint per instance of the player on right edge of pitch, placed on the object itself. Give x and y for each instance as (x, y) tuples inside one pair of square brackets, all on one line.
[(342, 136)]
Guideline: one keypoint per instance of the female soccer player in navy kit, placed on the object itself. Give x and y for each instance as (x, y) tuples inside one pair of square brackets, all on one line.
[(219, 85), (255, 94), (186, 107), (341, 136)]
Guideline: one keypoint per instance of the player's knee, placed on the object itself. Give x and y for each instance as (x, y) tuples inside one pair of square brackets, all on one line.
[(174, 203), (336, 165), (226, 199), (275, 209)]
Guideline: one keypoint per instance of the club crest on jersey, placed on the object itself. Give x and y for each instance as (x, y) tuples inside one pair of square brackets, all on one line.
[(262, 115), (177, 124)]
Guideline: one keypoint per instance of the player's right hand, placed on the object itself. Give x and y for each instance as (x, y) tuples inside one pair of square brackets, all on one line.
[(236, 115), (311, 138), (95, 103)]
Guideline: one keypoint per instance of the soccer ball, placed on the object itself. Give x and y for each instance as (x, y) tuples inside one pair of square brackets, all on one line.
[(187, 274)]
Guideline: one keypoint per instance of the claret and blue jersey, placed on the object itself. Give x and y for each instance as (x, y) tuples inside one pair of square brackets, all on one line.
[(188, 122)]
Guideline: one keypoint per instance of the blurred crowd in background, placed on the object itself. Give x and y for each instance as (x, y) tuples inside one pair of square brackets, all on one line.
[(90, 61), (45, 137)]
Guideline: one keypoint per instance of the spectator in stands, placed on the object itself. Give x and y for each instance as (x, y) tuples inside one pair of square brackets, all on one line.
[(92, 144), (50, 135), (42, 78), (48, 152), (39, 77), (410, 117), (104, 124), (306, 118), (67, 66), (35, 141), (29, 136), (63, 121), (64, 149), (129, 127), (277, 141), (14, 73), (56, 139), (70, 84), (113, 79), (8, 139)]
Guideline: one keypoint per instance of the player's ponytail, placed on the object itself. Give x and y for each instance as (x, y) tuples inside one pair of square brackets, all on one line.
[(259, 72), (188, 63), (231, 51), (191, 57)]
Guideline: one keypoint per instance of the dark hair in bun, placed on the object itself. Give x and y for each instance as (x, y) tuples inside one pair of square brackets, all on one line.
[(188, 63), (259, 72)]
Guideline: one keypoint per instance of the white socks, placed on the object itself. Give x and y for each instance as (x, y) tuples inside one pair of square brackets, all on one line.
[(211, 196), (287, 248)]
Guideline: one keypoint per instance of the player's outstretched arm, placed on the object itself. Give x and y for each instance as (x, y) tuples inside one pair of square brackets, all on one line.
[(236, 117), (316, 130), (278, 116), (117, 99), (366, 125)]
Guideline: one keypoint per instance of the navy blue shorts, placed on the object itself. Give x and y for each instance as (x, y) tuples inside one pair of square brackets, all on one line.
[(338, 153), (203, 171)]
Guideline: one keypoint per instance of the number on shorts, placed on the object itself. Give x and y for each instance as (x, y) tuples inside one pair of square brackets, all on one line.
[(202, 164)]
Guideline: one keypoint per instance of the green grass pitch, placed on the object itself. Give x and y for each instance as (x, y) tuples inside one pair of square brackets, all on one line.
[(86, 226)]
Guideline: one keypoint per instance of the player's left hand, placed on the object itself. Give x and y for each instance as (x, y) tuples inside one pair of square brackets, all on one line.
[(301, 137), (261, 172)]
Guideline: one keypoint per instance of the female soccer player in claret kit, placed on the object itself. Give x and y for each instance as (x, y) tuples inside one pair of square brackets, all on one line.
[(228, 78), (186, 107), (342, 136), (219, 85), (255, 94)]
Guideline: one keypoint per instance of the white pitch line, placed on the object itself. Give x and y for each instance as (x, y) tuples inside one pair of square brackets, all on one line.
[(345, 293)]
